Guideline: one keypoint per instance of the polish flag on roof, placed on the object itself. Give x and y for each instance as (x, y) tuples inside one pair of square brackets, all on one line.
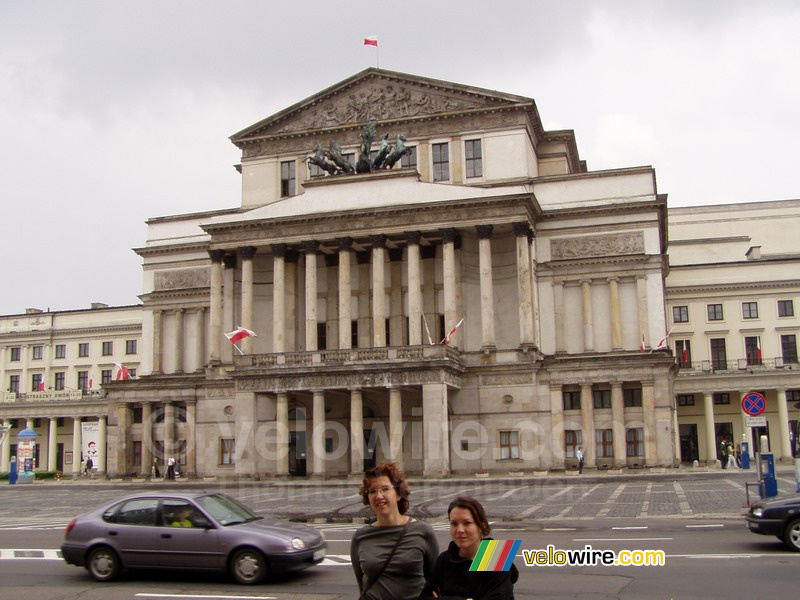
[(446, 340), (40, 387), (123, 374), (371, 40), (239, 334)]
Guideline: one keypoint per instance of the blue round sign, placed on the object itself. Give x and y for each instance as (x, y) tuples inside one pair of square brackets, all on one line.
[(753, 404)]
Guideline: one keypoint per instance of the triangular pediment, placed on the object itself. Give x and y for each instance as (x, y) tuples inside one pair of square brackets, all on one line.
[(380, 96)]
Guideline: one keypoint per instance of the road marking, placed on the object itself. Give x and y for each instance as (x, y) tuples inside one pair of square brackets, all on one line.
[(508, 493), (704, 526), (536, 507), (29, 554), (624, 528), (559, 529), (142, 595), (646, 503), (612, 499), (683, 501), (654, 539)]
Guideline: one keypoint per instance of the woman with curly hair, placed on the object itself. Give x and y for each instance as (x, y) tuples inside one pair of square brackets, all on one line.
[(393, 556)]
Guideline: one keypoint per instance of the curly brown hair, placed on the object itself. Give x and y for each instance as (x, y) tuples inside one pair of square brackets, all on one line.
[(475, 508), (395, 475)]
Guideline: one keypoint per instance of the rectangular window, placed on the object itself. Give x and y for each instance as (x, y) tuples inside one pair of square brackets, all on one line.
[(722, 398), (604, 439), (572, 439), (59, 381), (105, 376), (37, 352), (16, 353), (749, 310), (685, 399), (315, 172), (683, 353), (354, 334), (602, 398), (572, 399), (632, 397), (789, 348), (227, 451), (61, 351), (409, 160), (474, 158), (509, 444), (83, 381), (288, 178), (441, 162), (36, 381), (719, 357), (108, 348), (130, 347), (634, 441), (136, 454), (132, 373), (680, 314), (83, 349), (714, 312), (322, 336), (138, 414), (785, 308), (752, 350), (13, 384)]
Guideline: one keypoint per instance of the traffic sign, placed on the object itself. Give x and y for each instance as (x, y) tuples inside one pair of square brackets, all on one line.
[(753, 404), (755, 421)]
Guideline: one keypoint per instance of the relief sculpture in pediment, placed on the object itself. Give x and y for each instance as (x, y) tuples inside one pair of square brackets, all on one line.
[(597, 245)]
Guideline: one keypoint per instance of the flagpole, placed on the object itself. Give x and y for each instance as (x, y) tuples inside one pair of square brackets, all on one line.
[(377, 57)]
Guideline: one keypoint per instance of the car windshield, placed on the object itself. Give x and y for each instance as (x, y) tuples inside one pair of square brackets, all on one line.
[(225, 510)]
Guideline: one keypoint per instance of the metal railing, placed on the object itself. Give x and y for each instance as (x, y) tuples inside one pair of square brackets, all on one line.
[(740, 364)]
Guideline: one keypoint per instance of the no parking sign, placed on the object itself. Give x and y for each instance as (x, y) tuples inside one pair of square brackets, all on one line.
[(753, 404)]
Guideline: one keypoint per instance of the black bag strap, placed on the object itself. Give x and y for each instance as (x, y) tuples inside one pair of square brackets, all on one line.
[(387, 561)]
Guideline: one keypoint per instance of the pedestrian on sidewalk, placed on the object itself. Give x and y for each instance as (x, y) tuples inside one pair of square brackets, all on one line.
[(579, 456), (170, 468), (723, 452), (731, 456)]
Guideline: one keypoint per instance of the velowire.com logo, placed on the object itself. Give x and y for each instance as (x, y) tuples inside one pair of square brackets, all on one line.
[(495, 555)]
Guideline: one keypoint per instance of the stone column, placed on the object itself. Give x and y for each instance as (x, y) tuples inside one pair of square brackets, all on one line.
[(247, 253), (52, 443), (282, 434), (356, 433), (216, 306), (534, 290), (102, 442), (396, 317), (76, 443), (783, 421), (618, 425), (200, 338), (378, 291), (414, 289), (318, 435), (158, 326), (279, 297), (430, 307), (708, 417), (363, 312), (311, 248), (396, 426), (170, 447), (449, 274), (5, 451), (190, 437), (436, 456), (649, 410), (641, 295), (345, 339), (332, 301), (616, 321), (290, 327), (229, 322), (558, 303), (557, 419), (147, 438), (521, 230), (487, 286), (179, 330), (588, 325), (587, 425)]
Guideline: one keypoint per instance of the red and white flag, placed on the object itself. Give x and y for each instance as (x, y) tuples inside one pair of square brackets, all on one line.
[(446, 340), (642, 347), (662, 343), (371, 40), (239, 334), (40, 387), (428, 331), (685, 359), (90, 383), (123, 374), (758, 348)]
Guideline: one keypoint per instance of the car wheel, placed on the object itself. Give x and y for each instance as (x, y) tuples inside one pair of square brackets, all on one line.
[(102, 564), (791, 536), (248, 566)]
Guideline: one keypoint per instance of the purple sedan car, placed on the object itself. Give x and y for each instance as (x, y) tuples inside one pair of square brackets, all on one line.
[(201, 530)]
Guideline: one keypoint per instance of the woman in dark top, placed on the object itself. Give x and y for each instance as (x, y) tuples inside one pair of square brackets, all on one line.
[(385, 490), (451, 576)]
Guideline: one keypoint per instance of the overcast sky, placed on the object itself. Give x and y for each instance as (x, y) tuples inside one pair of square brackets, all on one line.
[(115, 112)]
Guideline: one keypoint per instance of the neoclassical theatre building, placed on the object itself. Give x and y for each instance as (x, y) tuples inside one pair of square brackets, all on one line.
[(431, 276)]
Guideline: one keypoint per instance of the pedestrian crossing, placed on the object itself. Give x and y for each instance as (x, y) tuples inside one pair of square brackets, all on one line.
[(37, 524)]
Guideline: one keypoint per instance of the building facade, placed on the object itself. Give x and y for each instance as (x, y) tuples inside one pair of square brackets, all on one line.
[(53, 366), (732, 296), (479, 306)]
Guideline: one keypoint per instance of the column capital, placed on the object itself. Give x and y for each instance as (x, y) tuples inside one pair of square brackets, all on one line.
[(484, 231), (449, 235), (344, 244), (378, 241), (247, 252), (229, 260), (413, 237), (610, 279), (279, 250), (180, 310), (521, 228), (216, 255), (311, 246)]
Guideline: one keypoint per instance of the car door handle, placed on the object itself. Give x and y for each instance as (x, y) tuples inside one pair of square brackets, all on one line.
[(166, 535), (112, 533)]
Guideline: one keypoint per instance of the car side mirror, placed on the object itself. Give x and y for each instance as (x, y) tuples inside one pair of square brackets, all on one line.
[(202, 522)]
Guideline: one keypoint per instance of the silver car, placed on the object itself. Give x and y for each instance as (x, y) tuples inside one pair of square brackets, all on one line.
[(201, 530)]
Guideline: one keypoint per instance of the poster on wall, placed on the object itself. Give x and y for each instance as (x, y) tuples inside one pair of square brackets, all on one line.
[(90, 443)]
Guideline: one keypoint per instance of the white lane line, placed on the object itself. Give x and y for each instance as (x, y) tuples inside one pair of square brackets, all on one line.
[(728, 556), (508, 493), (142, 595), (559, 529), (631, 527), (705, 526), (30, 554), (612, 500), (652, 539)]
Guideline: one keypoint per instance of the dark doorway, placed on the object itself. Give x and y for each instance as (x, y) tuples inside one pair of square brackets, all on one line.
[(60, 457), (689, 451), (297, 453), (370, 441)]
